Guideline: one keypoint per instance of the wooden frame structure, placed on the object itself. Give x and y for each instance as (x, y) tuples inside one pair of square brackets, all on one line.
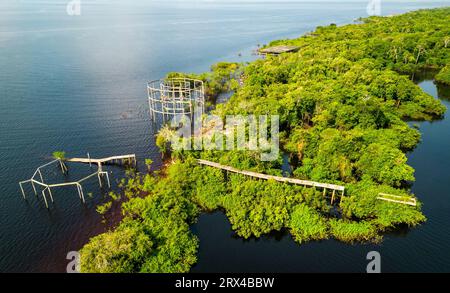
[(305, 183), (35, 180), (175, 96)]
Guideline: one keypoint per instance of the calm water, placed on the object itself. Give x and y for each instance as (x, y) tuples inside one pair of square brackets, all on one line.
[(78, 84)]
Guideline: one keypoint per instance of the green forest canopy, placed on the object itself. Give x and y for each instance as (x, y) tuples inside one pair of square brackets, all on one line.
[(343, 100)]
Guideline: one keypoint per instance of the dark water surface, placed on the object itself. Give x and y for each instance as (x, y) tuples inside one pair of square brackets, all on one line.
[(78, 84)]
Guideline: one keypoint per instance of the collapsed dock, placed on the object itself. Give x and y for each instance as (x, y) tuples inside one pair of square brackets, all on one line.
[(38, 179)]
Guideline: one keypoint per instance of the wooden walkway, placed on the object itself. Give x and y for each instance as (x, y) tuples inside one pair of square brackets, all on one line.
[(305, 183), (381, 196), (397, 199)]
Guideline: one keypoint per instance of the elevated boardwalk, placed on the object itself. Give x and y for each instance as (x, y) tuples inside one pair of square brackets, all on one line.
[(305, 183), (407, 200)]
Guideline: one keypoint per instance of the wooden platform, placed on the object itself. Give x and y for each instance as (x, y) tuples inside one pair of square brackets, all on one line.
[(130, 158), (276, 50)]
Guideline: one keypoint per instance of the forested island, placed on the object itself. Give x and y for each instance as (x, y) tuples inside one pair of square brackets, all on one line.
[(344, 100)]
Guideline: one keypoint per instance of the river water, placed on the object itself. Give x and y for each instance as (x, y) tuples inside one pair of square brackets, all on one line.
[(78, 84)]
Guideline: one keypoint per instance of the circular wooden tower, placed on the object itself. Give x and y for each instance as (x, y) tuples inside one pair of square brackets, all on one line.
[(175, 96)]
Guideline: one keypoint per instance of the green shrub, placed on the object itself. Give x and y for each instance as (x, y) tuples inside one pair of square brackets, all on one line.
[(306, 224), (350, 231), (444, 75), (60, 155)]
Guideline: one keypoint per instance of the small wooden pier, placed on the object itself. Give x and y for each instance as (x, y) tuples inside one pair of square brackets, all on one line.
[(305, 183), (124, 159), (38, 179), (277, 50)]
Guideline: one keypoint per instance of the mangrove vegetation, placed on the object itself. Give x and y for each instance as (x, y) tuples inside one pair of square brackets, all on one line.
[(344, 100)]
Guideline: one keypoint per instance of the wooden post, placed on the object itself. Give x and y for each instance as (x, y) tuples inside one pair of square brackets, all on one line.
[(62, 167), (40, 175), (332, 196), (99, 180), (107, 178), (45, 199), (34, 187), (78, 189), (81, 192), (174, 105), (89, 157), (21, 188), (342, 196), (324, 192), (50, 193)]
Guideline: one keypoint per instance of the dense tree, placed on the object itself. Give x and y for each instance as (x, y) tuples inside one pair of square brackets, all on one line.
[(444, 75), (306, 224), (385, 165)]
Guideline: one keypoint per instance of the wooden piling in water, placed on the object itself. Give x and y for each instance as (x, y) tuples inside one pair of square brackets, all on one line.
[(40, 181)]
